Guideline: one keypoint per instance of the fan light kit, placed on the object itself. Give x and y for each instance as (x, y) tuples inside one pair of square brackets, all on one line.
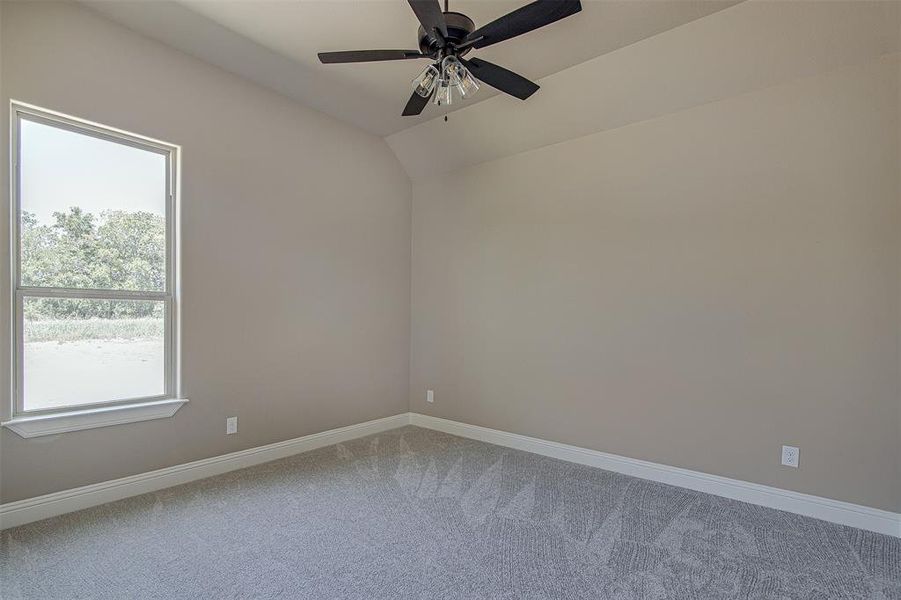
[(452, 77), (446, 37)]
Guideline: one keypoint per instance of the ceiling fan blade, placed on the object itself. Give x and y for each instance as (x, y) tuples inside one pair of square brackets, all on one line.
[(429, 14), (415, 105), (522, 20), (500, 78), (354, 56)]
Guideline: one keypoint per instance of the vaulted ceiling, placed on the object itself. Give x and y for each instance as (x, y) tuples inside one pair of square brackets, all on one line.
[(615, 63), (275, 43), (747, 47)]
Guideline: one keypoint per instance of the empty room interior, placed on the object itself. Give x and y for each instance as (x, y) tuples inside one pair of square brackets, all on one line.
[(465, 300)]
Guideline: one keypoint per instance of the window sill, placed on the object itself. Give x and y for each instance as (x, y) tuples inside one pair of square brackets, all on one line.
[(76, 420)]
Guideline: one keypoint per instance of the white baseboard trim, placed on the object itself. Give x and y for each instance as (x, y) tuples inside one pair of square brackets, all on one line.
[(817, 507), (13, 514), (34, 509)]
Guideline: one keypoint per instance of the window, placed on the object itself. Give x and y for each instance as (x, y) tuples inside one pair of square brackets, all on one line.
[(93, 268)]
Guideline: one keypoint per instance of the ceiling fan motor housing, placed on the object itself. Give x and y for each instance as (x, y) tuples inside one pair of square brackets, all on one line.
[(458, 27)]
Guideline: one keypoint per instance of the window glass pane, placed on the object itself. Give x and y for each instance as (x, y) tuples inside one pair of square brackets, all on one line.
[(83, 351), (93, 212)]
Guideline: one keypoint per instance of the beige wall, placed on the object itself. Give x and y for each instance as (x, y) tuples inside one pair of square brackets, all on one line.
[(696, 289), (296, 251)]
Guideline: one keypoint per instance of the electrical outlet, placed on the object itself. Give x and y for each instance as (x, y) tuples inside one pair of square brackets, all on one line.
[(430, 396), (790, 456), (231, 425)]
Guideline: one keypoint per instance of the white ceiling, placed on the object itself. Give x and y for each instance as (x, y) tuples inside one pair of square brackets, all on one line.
[(617, 62), (753, 45), (274, 43)]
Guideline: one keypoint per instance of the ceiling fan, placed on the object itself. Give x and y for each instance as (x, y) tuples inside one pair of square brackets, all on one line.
[(446, 37)]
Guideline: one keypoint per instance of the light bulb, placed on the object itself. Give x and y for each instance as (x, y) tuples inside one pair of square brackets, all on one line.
[(424, 84), (443, 96)]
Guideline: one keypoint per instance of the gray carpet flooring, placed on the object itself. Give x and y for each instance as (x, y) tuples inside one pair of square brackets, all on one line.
[(413, 513)]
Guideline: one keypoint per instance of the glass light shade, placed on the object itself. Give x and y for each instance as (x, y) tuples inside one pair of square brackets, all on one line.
[(444, 97), (453, 70), (459, 77), (468, 84), (424, 84)]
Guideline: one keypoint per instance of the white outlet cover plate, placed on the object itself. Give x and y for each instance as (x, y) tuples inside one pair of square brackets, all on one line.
[(430, 396), (790, 456), (231, 425)]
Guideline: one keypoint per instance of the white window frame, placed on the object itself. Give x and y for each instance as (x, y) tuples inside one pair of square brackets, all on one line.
[(30, 423)]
